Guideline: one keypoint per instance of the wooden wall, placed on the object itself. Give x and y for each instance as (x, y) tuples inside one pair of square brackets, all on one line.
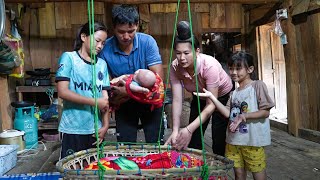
[(50, 28), (302, 66)]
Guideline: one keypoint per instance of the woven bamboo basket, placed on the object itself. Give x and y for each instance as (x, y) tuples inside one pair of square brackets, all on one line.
[(71, 167)]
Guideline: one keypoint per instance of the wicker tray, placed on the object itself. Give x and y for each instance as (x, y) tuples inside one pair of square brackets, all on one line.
[(218, 166)]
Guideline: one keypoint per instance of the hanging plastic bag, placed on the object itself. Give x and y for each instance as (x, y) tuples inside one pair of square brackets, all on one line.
[(8, 59), (11, 56), (277, 28)]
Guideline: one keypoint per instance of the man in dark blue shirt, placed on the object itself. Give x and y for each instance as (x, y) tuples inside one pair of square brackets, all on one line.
[(126, 52)]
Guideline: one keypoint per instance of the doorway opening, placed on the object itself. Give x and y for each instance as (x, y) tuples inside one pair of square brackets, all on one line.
[(221, 45), (271, 69)]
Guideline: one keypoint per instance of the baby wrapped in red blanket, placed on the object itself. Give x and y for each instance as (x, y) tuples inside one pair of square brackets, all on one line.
[(143, 86)]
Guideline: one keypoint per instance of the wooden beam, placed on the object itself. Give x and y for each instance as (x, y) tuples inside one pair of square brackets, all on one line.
[(291, 54), (268, 15), (5, 108), (153, 1)]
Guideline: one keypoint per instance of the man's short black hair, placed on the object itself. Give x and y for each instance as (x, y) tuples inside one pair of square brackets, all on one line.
[(125, 14)]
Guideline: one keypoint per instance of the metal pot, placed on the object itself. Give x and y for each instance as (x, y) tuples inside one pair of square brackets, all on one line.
[(12, 136), (2, 18)]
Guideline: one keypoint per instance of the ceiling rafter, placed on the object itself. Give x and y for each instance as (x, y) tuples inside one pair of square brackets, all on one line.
[(152, 1)]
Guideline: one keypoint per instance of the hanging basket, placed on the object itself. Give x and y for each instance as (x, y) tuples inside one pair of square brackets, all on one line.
[(71, 167)]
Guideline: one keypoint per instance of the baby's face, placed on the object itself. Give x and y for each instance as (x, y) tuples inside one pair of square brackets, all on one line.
[(144, 77), (136, 76)]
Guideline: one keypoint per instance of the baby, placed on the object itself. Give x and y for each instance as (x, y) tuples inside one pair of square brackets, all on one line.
[(142, 81), (143, 86)]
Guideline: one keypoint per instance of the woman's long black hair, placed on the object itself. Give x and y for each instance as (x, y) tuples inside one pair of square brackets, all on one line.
[(84, 29)]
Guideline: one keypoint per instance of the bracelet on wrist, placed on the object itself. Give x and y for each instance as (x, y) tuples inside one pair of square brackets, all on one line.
[(188, 130)]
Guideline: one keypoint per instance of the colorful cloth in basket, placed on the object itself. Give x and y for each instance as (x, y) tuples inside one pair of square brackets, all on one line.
[(165, 160)]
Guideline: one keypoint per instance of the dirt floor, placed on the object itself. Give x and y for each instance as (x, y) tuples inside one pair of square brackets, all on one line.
[(288, 157)]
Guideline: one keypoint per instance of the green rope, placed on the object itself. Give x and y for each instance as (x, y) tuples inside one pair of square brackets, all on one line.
[(168, 69), (204, 172), (90, 5)]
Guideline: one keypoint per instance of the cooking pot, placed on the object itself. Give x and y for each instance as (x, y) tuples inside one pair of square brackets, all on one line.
[(39, 72), (21, 104), (12, 136)]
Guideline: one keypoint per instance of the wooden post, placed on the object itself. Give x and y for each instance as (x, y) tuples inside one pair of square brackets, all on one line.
[(5, 109), (293, 80)]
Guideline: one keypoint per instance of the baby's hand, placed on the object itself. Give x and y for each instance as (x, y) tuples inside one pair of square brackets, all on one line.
[(205, 93), (145, 90)]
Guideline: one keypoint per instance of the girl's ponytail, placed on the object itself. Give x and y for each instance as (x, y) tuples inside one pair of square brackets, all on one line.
[(78, 42), (84, 29)]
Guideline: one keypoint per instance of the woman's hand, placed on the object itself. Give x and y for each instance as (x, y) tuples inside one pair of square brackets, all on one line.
[(183, 139), (205, 93), (237, 120), (101, 134), (172, 139)]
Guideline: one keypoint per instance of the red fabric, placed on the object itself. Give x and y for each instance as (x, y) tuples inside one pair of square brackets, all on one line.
[(165, 160), (155, 97), (106, 162), (153, 161)]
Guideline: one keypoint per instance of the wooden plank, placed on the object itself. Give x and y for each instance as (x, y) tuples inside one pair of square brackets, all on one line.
[(47, 21), (144, 12), (34, 88), (170, 7), (300, 7), (41, 52), (310, 38), (157, 19), (156, 1), (100, 18), (144, 18), (257, 13), (310, 135), (37, 5), (74, 29), (79, 12), (234, 15), (48, 125), (314, 25), (99, 8), (265, 61), (184, 7), (61, 45), (34, 24), (217, 15), (170, 20), (293, 72), (5, 108), (62, 15), (201, 7), (25, 25), (65, 33), (279, 77), (269, 16), (205, 19), (108, 14), (156, 8)]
